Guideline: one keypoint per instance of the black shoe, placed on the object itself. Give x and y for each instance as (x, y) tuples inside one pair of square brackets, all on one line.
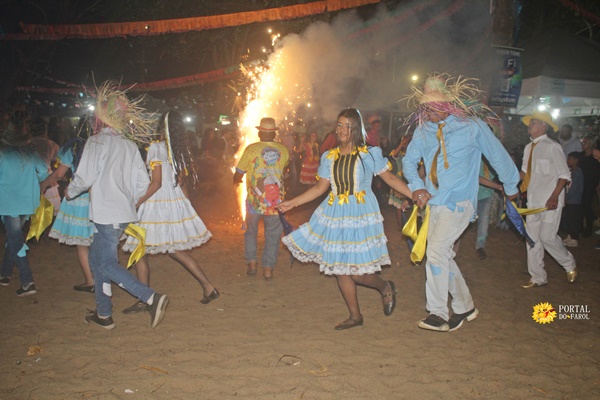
[(388, 308), (349, 323), (481, 254), (456, 320), (4, 280), (137, 307), (157, 309), (106, 323), (84, 288), (212, 296), (434, 323), (28, 291)]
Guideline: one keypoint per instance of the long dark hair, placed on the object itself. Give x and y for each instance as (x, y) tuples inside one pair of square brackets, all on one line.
[(357, 129), (76, 144), (183, 162)]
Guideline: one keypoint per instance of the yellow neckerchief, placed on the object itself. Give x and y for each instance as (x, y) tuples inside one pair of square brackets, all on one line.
[(442, 146), (140, 234), (41, 219), (418, 237)]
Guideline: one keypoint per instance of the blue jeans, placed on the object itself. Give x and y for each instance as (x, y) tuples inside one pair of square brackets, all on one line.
[(15, 241), (104, 262), (273, 232), (483, 221)]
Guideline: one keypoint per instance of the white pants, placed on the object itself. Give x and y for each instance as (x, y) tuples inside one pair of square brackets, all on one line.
[(542, 228), (443, 275)]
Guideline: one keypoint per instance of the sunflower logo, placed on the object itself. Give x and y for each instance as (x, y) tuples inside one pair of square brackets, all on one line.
[(543, 313)]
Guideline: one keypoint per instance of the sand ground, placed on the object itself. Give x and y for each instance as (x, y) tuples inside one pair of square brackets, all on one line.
[(275, 340)]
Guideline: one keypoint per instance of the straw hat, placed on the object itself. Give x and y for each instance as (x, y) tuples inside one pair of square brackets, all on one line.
[(435, 91), (116, 110), (541, 116), (267, 125), (17, 132)]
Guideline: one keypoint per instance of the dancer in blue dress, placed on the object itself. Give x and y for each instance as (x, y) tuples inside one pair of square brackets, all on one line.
[(345, 233), (72, 225)]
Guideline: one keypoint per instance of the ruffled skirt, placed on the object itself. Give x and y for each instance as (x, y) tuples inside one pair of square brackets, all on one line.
[(171, 224), (72, 225), (345, 239)]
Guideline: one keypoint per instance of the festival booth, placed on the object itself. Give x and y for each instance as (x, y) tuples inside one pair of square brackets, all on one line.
[(561, 75)]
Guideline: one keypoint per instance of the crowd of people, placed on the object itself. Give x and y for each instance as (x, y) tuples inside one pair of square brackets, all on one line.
[(449, 165)]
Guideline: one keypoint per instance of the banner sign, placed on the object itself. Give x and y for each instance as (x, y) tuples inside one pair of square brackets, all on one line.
[(506, 83)]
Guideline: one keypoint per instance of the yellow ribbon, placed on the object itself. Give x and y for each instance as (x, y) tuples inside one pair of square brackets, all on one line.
[(331, 198), (419, 237), (41, 219), (526, 211), (140, 234), (360, 197), (334, 153), (343, 198), (153, 164)]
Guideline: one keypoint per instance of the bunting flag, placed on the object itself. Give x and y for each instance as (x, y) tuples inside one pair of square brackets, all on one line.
[(161, 27), (419, 237), (140, 234), (41, 219)]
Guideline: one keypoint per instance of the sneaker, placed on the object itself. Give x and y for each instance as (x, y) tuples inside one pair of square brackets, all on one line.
[(26, 291), (481, 254), (157, 309), (434, 323), (456, 320), (137, 307), (106, 323), (571, 243), (4, 280), (565, 240), (597, 247)]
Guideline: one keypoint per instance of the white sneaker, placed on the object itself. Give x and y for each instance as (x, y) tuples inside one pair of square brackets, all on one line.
[(567, 239), (571, 243)]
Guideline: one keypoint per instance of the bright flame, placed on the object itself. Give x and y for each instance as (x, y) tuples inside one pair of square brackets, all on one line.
[(276, 91)]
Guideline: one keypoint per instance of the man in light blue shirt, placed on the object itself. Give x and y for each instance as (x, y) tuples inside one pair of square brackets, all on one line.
[(451, 140)]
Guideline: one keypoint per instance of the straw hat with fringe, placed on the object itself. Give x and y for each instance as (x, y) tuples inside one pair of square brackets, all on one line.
[(442, 93), (116, 110)]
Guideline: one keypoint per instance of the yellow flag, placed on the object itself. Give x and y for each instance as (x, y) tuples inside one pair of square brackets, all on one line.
[(41, 219), (140, 234)]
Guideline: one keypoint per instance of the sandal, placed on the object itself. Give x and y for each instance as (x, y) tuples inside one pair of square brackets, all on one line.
[(84, 288), (388, 308), (349, 323)]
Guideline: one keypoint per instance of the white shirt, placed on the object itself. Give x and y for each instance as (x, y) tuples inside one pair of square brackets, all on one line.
[(548, 166), (114, 170), (570, 145)]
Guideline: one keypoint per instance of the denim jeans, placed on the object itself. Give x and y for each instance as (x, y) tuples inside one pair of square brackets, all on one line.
[(104, 262), (15, 241), (483, 221), (273, 231)]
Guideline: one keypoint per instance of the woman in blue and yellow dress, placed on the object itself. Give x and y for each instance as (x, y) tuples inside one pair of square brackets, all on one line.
[(345, 233)]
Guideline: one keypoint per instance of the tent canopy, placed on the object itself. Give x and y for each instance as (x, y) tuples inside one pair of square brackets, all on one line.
[(561, 71)]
